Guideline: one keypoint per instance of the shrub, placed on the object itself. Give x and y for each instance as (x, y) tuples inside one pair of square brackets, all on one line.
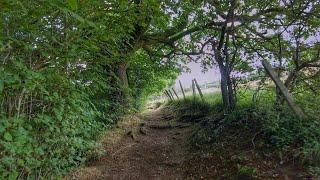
[(280, 128)]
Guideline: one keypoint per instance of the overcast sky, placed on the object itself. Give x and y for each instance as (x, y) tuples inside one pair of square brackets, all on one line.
[(196, 72)]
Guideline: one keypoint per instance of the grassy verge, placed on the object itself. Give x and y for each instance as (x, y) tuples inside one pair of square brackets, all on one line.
[(257, 125)]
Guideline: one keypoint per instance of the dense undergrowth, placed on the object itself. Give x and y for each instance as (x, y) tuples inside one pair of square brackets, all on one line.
[(70, 69), (60, 86), (264, 128)]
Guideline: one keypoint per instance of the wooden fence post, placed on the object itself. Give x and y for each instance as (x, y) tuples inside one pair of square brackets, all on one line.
[(175, 93), (199, 90), (193, 91), (284, 91), (168, 95), (171, 94), (182, 90)]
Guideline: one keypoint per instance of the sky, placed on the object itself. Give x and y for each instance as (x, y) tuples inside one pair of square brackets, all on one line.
[(196, 72)]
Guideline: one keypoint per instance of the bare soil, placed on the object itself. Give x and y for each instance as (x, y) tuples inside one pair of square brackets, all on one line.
[(157, 146), (154, 149)]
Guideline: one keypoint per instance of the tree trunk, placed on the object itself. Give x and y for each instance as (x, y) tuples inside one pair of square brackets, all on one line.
[(122, 73), (227, 92), (231, 94), (224, 86), (279, 98), (284, 91), (288, 82), (123, 82)]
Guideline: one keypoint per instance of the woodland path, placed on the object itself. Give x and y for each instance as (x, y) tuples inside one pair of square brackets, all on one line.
[(156, 149), (157, 146)]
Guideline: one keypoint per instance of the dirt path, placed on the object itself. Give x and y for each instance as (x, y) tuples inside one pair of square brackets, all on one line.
[(155, 150), (157, 146)]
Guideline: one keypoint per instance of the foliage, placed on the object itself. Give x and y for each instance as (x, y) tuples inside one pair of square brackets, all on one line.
[(280, 130), (247, 171), (71, 68), (59, 87), (149, 76)]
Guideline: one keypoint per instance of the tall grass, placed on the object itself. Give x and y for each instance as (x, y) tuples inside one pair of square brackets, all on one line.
[(257, 113)]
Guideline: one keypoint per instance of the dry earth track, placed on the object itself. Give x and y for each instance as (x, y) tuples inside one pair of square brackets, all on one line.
[(155, 150), (157, 146)]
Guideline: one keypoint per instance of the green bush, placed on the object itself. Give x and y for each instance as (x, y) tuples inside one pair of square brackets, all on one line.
[(59, 81), (60, 133), (280, 128)]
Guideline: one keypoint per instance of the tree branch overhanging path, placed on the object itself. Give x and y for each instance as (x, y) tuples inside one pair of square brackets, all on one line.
[(70, 70)]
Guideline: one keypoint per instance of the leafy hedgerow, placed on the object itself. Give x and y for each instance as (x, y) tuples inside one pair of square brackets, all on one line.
[(59, 87)]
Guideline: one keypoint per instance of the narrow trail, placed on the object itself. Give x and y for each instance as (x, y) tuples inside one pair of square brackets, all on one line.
[(156, 151), (157, 146)]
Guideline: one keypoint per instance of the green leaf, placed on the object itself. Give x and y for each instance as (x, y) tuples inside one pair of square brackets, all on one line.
[(13, 175), (73, 4), (7, 136), (1, 85), (2, 128), (20, 162), (39, 151)]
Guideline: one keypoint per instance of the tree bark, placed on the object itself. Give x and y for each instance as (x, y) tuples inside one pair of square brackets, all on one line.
[(296, 109), (122, 73), (279, 97), (224, 87), (123, 82), (226, 84), (231, 94)]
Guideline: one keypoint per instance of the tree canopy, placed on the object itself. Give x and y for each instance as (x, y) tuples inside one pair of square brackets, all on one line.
[(71, 68)]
